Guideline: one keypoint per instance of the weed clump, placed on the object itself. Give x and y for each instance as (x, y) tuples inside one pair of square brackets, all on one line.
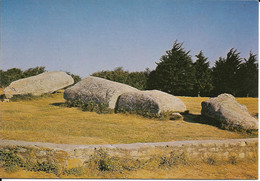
[(101, 161), (43, 166), (232, 159), (173, 159), (10, 161), (77, 171), (211, 160)]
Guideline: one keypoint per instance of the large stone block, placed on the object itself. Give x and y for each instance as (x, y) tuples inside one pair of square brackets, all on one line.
[(98, 90), (47, 82), (152, 101), (226, 110)]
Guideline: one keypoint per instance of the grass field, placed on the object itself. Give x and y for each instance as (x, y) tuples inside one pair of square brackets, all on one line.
[(48, 120)]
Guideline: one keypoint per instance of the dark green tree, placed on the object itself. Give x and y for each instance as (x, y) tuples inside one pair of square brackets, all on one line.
[(3, 79), (225, 74), (117, 75), (248, 77), (76, 78), (174, 72), (7, 77), (152, 80), (138, 79), (33, 71), (12, 75), (203, 75), (134, 79)]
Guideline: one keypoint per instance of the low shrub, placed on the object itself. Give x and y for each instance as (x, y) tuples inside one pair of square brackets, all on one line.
[(101, 161), (43, 166), (173, 159), (91, 106), (10, 161), (147, 114), (77, 171), (211, 160), (232, 159)]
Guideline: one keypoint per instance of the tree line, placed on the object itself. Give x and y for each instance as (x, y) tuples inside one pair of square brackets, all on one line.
[(177, 74), (134, 79), (10, 75)]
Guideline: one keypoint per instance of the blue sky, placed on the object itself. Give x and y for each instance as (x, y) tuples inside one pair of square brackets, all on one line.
[(85, 36)]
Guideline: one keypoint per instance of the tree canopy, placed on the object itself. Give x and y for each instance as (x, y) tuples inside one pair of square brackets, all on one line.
[(177, 74), (135, 79), (226, 73), (174, 73), (203, 75)]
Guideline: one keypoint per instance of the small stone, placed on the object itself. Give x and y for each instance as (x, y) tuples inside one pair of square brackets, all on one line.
[(74, 162), (241, 155), (226, 154), (42, 153), (243, 143), (78, 152)]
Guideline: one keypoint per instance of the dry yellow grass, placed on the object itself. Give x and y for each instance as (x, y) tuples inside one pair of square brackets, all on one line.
[(44, 120), (241, 170), (47, 120)]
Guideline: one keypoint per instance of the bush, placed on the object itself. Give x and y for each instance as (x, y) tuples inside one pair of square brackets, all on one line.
[(147, 114), (211, 160), (77, 171), (101, 161), (44, 167), (232, 159), (10, 161), (91, 106), (173, 160)]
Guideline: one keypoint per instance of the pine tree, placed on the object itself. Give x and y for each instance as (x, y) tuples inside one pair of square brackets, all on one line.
[(174, 72), (225, 73), (203, 76), (248, 76)]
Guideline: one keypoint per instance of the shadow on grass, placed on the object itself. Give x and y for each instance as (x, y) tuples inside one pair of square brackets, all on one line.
[(59, 104), (195, 118)]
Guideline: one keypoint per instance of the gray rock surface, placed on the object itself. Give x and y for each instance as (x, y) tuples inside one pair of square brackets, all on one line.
[(152, 101), (98, 90), (47, 82), (70, 147), (225, 109)]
